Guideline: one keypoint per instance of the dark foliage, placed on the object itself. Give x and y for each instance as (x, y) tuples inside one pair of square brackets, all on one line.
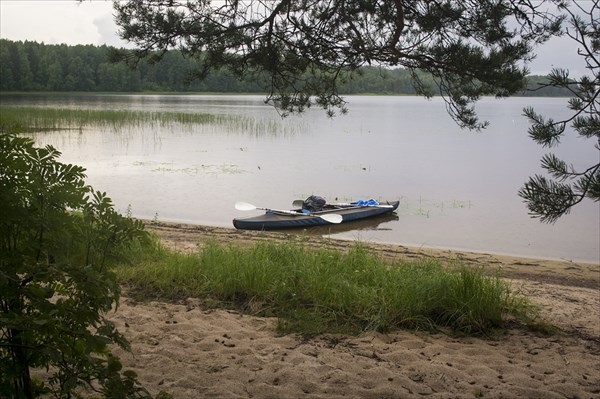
[(58, 239)]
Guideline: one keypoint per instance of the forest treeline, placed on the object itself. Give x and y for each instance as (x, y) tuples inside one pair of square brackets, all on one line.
[(32, 66)]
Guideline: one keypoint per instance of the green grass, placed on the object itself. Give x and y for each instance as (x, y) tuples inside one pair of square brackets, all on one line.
[(319, 290)]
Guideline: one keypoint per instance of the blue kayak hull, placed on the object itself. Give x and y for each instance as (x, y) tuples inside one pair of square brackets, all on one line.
[(272, 220)]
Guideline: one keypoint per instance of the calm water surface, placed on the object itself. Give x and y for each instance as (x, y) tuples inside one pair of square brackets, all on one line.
[(458, 189)]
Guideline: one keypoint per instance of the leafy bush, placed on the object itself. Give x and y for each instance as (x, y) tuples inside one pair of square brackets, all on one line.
[(58, 240)]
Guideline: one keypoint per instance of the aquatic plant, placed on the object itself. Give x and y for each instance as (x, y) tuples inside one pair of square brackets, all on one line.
[(38, 118), (29, 119)]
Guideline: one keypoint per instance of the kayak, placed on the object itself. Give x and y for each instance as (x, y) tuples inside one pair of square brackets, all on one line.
[(274, 219)]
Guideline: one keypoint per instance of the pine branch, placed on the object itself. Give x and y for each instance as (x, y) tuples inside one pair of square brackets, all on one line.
[(547, 199)]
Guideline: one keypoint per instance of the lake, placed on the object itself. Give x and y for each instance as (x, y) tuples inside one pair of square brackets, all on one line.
[(458, 189)]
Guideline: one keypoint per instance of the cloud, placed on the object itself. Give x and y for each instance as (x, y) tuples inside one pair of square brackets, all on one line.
[(56, 22), (107, 29), (560, 52)]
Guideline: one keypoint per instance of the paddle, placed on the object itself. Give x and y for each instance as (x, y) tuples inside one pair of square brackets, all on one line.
[(331, 218)]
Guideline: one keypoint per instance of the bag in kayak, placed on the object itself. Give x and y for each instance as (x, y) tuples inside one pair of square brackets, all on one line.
[(314, 203)]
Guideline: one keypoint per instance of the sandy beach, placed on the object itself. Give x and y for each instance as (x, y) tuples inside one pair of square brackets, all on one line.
[(191, 352)]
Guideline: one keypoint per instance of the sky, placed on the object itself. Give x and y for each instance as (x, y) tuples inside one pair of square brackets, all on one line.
[(91, 22)]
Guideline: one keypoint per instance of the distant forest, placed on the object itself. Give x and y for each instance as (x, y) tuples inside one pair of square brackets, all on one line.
[(32, 66)]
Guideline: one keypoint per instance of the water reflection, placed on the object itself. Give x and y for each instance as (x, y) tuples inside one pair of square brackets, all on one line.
[(374, 223)]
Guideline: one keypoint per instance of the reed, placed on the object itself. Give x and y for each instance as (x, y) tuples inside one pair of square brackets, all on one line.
[(320, 290), (37, 118)]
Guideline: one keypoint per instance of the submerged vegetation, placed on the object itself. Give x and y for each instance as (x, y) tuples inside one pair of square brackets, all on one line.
[(320, 290)]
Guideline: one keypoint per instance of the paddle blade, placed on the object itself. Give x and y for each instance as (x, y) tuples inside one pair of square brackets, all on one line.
[(244, 206), (333, 218)]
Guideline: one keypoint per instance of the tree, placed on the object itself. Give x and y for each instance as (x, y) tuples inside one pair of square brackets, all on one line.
[(58, 239), (307, 47), (21, 62), (80, 76), (7, 80), (550, 198), (56, 80), (33, 52)]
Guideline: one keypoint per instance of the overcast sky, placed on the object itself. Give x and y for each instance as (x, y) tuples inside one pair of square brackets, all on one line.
[(91, 22)]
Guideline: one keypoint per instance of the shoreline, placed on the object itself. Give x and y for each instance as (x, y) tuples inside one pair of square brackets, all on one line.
[(334, 235), (186, 237)]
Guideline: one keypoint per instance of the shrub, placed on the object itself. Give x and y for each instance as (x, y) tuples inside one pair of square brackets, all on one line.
[(58, 240)]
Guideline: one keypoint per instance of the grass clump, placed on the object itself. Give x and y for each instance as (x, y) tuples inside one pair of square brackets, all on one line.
[(321, 290)]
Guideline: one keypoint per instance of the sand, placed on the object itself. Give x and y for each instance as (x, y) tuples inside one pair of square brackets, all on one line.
[(191, 352)]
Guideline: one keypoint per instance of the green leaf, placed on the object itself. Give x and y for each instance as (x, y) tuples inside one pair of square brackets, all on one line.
[(40, 292)]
